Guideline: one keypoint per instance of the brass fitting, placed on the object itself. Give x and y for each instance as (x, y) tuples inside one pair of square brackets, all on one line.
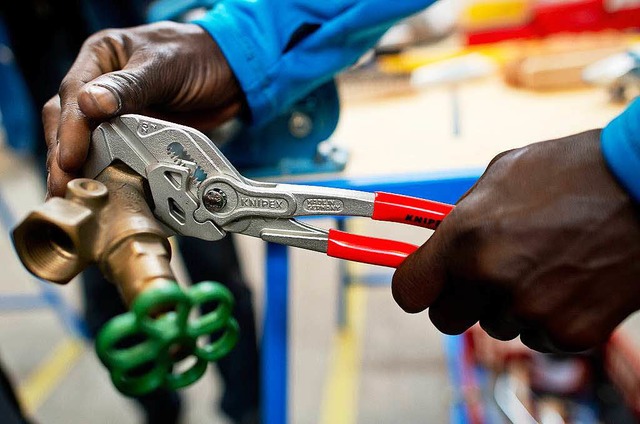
[(105, 221)]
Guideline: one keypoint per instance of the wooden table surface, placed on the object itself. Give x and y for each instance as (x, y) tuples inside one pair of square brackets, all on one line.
[(444, 128)]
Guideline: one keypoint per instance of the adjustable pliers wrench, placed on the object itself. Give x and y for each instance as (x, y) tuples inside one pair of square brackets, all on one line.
[(197, 192)]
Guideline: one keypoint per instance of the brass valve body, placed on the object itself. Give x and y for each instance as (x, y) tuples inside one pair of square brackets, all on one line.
[(106, 221)]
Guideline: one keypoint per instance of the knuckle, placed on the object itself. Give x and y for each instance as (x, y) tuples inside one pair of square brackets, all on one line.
[(538, 299), (127, 79), (67, 86), (104, 38), (130, 87), (504, 268), (454, 229), (505, 159), (578, 335), (486, 251), (472, 241), (573, 338), (445, 323), (51, 106), (500, 156), (534, 308), (466, 230), (503, 164)]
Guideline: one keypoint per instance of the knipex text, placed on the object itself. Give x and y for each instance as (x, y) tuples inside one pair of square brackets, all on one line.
[(427, 222), (262, 203)]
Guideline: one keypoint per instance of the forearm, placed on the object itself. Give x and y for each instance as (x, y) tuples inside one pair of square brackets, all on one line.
[(280, 50), (621, 148)]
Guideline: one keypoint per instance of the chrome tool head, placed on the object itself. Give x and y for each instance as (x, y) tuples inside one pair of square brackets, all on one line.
[(174, 159)]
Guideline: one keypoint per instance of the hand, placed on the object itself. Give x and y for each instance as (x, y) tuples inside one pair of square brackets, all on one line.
[(169, 70), (546, 245)]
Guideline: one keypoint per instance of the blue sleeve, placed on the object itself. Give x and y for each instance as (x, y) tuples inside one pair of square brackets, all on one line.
[(621, 148), (280, 50)]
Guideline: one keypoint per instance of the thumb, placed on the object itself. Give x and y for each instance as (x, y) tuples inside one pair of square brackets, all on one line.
[(115, 93), (418, 281)]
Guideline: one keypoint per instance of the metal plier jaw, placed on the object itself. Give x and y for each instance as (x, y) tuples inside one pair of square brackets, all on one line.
[(197, 192)]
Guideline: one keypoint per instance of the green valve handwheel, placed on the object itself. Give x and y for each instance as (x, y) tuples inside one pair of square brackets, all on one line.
[(143, 347)]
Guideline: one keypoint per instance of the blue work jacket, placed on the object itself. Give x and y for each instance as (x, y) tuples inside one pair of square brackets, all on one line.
[(621, 148), (280, 50)]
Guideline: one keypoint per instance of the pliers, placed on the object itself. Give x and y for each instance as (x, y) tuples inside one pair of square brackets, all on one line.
[(197, 192)]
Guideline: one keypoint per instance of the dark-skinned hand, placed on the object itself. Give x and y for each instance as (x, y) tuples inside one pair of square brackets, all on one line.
[(168, 70), (545, 246)]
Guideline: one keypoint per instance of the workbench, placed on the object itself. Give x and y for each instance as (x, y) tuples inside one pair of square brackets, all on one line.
[(431, 143)]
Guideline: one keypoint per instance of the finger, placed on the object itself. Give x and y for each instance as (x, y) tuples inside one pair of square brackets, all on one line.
[(577, 329), (57, 180), (501, 326), (74, 127), (484, 174), (421, 277), (133, 88), (458, 308), (114, 93), (538, 340), (74, 134), (50, 121)]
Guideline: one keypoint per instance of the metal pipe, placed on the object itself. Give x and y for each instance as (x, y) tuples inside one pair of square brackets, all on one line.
[(106, 221)]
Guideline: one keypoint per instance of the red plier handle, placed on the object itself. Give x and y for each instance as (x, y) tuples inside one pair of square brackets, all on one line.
[(392, 208)]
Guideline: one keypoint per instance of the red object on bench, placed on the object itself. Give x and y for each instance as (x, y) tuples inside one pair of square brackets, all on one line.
[(550, 18)]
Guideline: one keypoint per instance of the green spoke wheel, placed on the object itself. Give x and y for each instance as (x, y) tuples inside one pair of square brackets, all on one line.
[(143, 348)]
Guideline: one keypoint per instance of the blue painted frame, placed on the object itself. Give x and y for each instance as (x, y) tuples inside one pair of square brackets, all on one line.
[(447, 186)]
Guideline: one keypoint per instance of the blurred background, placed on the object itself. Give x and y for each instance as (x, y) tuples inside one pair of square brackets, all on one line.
[(441, 94)]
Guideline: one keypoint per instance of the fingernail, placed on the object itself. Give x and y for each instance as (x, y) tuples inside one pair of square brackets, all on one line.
[(105, 99), (47, 195)]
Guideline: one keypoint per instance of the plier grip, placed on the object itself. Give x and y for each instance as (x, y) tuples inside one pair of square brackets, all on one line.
[(197, 192), (391, 208)]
